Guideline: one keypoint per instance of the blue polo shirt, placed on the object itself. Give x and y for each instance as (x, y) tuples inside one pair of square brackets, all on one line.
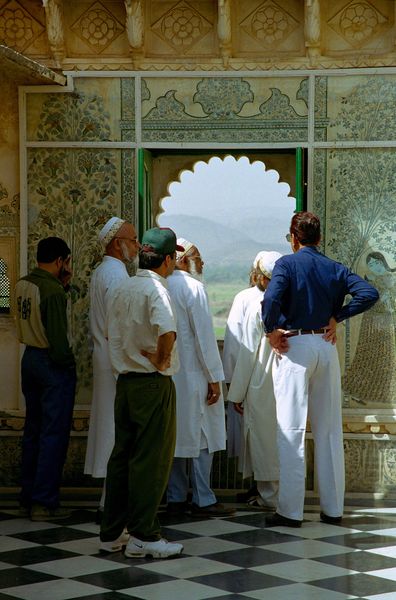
[(308, 288)]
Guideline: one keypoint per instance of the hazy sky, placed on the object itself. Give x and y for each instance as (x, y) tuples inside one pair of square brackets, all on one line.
[(236, 193)]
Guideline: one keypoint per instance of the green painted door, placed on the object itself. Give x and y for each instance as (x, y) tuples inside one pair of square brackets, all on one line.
[(145, 170)]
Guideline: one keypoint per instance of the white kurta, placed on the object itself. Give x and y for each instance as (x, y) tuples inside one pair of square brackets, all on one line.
[(252, 384), (232, 342), (105, 279), (200, 363)]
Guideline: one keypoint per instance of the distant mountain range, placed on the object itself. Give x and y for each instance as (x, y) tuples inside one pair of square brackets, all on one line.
[(222, 245)]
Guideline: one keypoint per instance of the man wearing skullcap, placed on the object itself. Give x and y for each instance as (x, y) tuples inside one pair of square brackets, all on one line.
[(252, 392), (141, 331), (200, 418), (120, 245), (232, 342)]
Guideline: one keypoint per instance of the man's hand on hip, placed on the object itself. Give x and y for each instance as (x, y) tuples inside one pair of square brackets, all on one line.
[(331, 331), (279, 342)]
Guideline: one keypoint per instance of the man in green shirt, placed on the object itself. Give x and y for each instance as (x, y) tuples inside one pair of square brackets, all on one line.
[(48, 378)]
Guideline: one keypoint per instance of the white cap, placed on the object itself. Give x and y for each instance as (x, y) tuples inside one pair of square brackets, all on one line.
[(266, 262), (109, 230), (186, 245), (258, 256)]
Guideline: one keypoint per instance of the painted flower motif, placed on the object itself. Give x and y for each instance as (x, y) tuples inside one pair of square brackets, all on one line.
[(223, 97), (181, 26), (358, 21), (269, 24)]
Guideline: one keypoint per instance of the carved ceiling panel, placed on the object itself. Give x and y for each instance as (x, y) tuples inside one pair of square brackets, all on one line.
[(358, 22), (269, 24), (19, 29), (97, 27)]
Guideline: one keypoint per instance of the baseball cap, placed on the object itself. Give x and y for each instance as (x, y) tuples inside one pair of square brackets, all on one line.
[(161, 239)]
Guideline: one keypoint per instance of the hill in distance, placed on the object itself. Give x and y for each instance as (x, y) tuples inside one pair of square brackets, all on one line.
[(217, 243)]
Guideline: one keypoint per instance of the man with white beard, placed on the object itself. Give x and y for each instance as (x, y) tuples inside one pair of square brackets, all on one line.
[(120, 244), (200, 418), (252, 392)]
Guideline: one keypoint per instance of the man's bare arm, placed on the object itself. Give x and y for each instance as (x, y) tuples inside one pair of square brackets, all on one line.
[(161, 359)]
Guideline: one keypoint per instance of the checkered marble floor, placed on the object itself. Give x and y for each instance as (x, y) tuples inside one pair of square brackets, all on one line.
[(230, 558)]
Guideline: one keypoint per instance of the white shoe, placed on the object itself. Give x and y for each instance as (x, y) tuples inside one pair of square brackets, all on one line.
[(115, 545), (159, 549)]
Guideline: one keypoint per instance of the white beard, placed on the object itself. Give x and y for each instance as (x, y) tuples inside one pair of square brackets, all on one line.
[(193, 271)]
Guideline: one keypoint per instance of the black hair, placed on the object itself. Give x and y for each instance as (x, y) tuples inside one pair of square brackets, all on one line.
[(51, 248), (305, 226), (150, 259)]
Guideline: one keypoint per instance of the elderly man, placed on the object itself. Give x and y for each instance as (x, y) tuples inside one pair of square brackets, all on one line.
[(199, 404), (119, 242), (142, 334), (302, 305), (252, 391), (48, 379), (232, 342)]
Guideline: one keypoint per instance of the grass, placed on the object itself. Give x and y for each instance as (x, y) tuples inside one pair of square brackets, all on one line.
[(221, 296)]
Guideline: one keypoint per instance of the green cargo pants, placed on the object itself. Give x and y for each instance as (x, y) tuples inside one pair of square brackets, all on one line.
[(139, 466)]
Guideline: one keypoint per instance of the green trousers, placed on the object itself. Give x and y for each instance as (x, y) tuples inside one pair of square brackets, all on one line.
[(139, 466)]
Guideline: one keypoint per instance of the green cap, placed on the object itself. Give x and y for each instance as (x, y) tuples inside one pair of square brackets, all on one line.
[(160, 239)]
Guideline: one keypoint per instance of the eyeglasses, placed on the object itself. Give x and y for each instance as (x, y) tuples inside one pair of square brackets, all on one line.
[(133, 240), (288, 237)]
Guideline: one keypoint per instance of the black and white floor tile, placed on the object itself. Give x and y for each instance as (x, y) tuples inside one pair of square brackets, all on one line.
[(229, 559)]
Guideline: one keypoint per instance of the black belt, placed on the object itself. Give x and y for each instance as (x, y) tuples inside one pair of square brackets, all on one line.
[(131, 374), (294, 332)]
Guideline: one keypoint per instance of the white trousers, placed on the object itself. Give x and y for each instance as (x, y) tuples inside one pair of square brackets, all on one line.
[(307, 382)]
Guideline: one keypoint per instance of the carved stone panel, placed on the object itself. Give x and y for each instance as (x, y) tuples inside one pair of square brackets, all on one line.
[(358, 25), (181, 28)]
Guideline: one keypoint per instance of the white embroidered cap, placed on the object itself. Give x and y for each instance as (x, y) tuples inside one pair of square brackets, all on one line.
[(109, 230), (266, 262), (186, 245)]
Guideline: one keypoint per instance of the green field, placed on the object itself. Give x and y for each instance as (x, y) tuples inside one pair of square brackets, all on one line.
[(221, 296)]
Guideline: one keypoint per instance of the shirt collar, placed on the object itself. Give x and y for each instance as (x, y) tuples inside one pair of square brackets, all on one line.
[(152, 275)]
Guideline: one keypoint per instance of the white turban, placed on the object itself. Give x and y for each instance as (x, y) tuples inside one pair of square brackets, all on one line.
[(186, 245), (109, 230), (266, 262)]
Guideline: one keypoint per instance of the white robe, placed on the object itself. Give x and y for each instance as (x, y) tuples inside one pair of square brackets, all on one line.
[(252, 385), (200, 363), (105, 278), (232, 342)]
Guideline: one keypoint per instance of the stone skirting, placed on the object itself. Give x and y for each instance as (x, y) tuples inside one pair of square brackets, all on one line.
[(370, 455)]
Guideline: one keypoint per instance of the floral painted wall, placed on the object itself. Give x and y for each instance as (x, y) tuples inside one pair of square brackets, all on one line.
[(360, 227), (73, 192)]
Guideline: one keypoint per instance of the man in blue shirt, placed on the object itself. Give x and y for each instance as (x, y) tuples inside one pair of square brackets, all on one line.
[(301, 308)]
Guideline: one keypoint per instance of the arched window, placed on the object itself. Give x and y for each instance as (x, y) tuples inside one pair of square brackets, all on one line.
[(4, 288)]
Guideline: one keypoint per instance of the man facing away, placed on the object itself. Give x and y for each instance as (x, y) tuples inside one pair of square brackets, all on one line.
[(120, 244), (200, 418), (48, 379), (232, 341), (142, 333), (252, 392), (301, 308)]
